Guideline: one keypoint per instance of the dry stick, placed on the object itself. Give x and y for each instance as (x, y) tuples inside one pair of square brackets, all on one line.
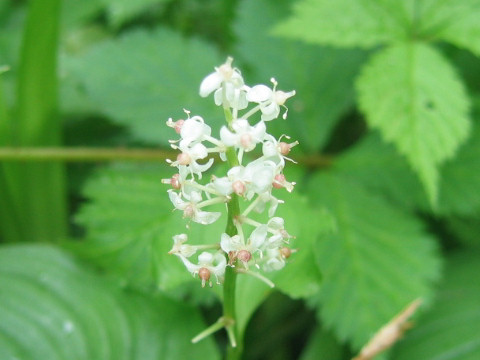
[(390, 333)]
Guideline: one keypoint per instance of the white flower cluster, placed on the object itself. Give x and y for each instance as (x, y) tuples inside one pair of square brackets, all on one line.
[(265, 244)]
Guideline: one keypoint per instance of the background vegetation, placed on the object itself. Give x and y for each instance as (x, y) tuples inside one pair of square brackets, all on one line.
[(387, 203)]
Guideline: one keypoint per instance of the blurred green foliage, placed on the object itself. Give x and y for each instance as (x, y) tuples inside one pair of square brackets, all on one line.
[(387, 202)]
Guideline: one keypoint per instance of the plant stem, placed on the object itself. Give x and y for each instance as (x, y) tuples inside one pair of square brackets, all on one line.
[(234, 348)]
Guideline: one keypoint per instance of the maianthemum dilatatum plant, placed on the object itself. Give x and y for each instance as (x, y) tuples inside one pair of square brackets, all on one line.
[(249, 245)]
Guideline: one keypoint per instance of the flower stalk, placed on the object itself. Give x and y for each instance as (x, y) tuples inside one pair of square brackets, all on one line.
[(255, 183)]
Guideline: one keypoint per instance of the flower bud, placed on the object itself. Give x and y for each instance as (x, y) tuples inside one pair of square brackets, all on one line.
[(183, 159), (279, 181), (175, 182), (239, 187), (244, 256), (204, 275), (285, 252)]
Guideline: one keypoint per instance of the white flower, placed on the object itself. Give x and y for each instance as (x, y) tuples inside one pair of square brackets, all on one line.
[(269, 100), (273, 260), (180, 248), (243, 136), (237, 248), (191, 208), (189, 156), (228, 85), (264, 199), (277, 150), (207, 264), (276, 225), (193, 130)]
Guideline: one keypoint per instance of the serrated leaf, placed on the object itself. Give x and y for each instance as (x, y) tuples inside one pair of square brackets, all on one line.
[(130, 225), (378, 261), (52, 307), (322, 77), (453, 21), (301, 278), (450, 329), (347, 23), (416, 100), (145, 77), (460, 178), (378, 167)]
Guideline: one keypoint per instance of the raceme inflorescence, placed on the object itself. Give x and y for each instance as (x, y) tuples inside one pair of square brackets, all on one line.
[(248, 244)]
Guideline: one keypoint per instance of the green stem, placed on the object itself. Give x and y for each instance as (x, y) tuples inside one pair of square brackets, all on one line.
[(234, 349)]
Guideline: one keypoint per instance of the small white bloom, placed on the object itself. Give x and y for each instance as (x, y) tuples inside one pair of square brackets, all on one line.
[(180, 248), (191, 208), (273, 260), (193, 130), (237, 247), (207, 264), (277, 150), (269, 100), (243, 136), (189, 156), (228, 84)]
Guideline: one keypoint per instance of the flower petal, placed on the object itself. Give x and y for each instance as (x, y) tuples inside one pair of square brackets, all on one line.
[(259, 93), (210, 83)]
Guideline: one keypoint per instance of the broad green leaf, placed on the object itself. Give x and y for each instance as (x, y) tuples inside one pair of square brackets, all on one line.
[(322, 77), (53, 307), (416, 100), (347, 23), (466, 229), (378, 167), (130, 224), (323, 345), (144, 77), (377, 261), (121, 11), (453, 21), (460, 178), (301, 277), (449, 330)]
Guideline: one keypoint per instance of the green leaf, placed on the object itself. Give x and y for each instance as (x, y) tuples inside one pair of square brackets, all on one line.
[(52, 307), (377, 261), (466, 229), (347, 23), (144, 77), (378, 167), (301, 278), (450, 329), (322, 345), (36, 190), (460, 178), (121, 11), (416, 100), (322, 77), (453, 21), (130, 225)]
